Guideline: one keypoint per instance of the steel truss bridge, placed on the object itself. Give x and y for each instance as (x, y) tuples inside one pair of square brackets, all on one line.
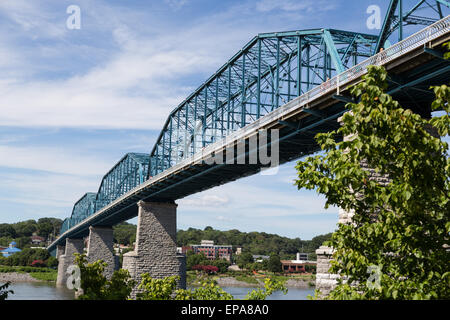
[(296, 82)]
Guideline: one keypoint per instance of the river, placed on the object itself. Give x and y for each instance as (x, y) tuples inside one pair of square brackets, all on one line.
[(47, 291)]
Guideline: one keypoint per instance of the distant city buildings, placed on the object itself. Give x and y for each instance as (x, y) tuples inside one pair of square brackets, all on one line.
[(210, 250)]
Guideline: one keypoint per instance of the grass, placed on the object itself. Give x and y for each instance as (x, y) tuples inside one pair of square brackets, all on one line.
[(247, 279), (250, 278), (24, 269), (44, 276)]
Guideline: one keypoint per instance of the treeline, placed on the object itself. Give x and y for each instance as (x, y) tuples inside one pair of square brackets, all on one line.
[(20, 232), (30, 257), (256, 243)]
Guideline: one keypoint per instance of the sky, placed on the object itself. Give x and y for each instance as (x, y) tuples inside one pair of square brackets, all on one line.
[(75, 100)]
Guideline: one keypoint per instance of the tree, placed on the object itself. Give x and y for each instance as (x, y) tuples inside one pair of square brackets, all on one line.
[(52, 262), (45, 229), (125, 233), (274, 263), (95, 286), (165, 289), (7, 230), (4, 292), (244, 259), (193, 259), (25, 228), (221, 264), (399, 229)]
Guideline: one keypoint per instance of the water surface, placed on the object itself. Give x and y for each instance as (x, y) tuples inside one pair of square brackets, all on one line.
[(49, 291)]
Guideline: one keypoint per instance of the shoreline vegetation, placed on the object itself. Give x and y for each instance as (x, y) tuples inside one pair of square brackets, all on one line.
[(251, 280), (27, 274), (18, 274)]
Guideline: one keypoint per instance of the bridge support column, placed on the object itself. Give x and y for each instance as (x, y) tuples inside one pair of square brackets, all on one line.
[(156, 252), (60, 250), (67, 259), (100, 246)]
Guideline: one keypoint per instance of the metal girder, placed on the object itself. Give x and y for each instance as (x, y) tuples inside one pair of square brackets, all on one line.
[(128, 173), (402, 13)]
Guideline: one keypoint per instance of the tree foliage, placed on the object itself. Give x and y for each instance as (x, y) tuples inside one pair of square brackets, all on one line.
[(165, 289), (4, 292), (124, 233), (274, 263), (95, 286), (254, 242), (25, 257), (400, 227)]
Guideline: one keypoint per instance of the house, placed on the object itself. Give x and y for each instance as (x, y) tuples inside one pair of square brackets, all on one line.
[(260, 258), (37, 239)]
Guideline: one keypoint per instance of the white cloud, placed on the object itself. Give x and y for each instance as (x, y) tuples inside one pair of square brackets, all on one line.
[(136, 84), (45, 190), (34, 18), (203, 200), (176, 4), (50, 159), (294, 5)]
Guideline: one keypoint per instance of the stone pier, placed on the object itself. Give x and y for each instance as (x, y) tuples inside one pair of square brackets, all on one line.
[(65, 260), (100, 246), (155, 252)]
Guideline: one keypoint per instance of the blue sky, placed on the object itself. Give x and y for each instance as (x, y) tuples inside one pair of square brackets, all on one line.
[(74, 101)]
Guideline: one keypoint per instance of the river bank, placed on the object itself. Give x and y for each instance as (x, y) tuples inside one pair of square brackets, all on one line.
[(245, 279), (290, 283), (194, 279), (17, 277)]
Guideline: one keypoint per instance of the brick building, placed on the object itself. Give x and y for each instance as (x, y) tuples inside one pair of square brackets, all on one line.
[(210, 250)]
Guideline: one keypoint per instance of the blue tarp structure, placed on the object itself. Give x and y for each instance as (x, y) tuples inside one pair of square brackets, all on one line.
[(10, 250)]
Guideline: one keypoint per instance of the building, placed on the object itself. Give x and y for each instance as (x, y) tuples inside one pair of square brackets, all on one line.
[(260, 258), (298, 265), (10, 250), (37, 239), (212, 251)]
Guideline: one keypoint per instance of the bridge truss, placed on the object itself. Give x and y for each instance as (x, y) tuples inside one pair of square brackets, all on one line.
[(271, 70), (268, 72), (409, 14)]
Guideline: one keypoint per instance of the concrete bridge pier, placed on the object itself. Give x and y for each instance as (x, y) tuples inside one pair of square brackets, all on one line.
[(156, 251), (67, 258), (100, 246)]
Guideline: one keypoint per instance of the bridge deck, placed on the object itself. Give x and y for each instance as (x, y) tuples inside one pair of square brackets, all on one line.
[(414, 64)]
